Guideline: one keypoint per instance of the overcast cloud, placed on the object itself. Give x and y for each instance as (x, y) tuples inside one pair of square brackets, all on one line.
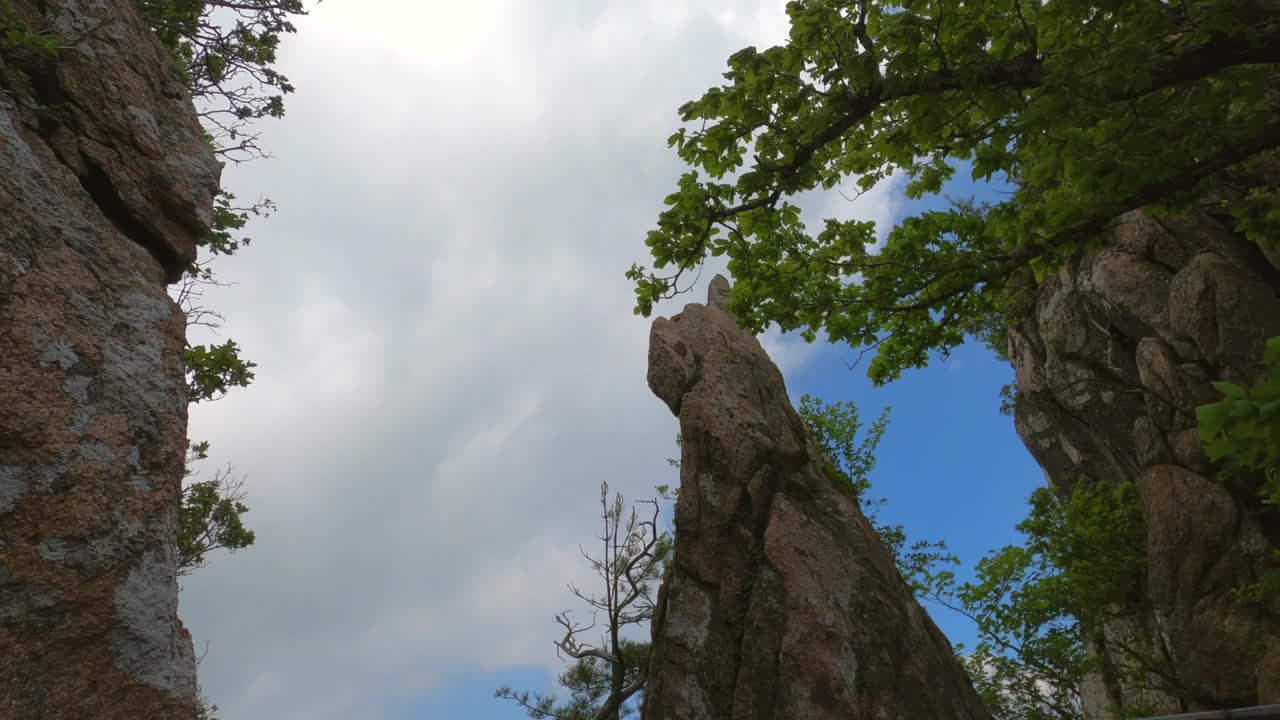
[(448, 363)]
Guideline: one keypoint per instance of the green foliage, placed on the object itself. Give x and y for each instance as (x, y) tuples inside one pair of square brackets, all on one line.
[(210, 515), (1243, 432), (1244, 428), (850, 454), (229, 219), (1008, 399), (1035, 604), (836, 428), (17, 37), (210, 519), (1090, 108), (212, 370), (226, 50)]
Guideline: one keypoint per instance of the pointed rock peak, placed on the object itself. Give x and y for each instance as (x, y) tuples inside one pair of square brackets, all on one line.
[(678, 346), (718, 293), (781, 601)]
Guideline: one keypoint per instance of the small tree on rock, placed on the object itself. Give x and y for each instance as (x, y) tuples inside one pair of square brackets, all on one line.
[(210, 516), (604, 680)]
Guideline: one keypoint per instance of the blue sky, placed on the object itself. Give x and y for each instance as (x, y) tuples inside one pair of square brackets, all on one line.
[(448, 365)]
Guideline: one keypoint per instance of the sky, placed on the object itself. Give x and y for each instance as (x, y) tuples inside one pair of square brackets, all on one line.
[(448, 364)]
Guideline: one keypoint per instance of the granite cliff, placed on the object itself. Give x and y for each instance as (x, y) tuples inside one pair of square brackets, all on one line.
[(106, 184), (1121, 347), (781, 600)]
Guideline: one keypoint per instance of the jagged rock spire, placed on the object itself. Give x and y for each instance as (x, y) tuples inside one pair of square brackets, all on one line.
[(781, 601)]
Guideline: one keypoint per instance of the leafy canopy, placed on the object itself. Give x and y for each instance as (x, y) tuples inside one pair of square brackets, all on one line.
[(1090, 108), (850, 448), (1244, 428)]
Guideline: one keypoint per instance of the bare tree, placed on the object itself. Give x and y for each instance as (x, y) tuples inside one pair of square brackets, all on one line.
[(604, 678)]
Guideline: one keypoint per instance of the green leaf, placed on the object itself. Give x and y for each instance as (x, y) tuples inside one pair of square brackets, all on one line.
[(1211, 419), (1075, 106)]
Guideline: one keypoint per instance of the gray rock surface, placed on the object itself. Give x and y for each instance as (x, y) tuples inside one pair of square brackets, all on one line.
[(106, 184)]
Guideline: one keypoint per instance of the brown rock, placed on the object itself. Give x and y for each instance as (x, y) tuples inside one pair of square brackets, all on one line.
[(1173, 390), (781, 602), (1227, 311), (1128, 340), (99, 203), (1135, 288), (1150, 443), (1188, 451), (1200, 549)]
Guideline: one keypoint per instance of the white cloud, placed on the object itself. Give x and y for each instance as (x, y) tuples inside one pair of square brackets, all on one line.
[(448, 363)]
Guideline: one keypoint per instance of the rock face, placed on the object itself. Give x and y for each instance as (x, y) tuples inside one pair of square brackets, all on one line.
[(105, 185), (781, 602), (1121, 349)]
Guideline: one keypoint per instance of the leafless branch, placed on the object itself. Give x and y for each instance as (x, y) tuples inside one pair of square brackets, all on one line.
[(630, 563)]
